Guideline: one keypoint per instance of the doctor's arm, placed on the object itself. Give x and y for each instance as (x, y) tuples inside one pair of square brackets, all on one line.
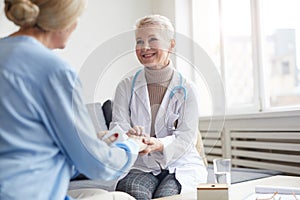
[(120, 110), (184, 137)]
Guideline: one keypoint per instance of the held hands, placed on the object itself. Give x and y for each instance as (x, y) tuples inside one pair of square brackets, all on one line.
[(114, 137), (139, 140), (150, 144), (147, 144), (153, 144)]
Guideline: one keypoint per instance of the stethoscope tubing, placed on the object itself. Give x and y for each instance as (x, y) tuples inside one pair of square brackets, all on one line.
[(175, 90)]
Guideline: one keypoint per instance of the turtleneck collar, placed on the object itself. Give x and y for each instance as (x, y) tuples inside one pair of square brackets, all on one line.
[(159, 75)]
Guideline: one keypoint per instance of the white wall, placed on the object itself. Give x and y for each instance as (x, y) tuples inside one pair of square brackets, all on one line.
[(6, 27), (101, 21), (104, 22)]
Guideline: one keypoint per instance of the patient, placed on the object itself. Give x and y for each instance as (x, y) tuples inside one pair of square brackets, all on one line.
[(45, 131)]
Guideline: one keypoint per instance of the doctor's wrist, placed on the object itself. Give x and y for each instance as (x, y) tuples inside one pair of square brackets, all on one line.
[(160, 146)]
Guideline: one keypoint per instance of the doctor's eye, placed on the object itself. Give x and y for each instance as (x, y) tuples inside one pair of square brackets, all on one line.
[(139, 42), (153, 39)]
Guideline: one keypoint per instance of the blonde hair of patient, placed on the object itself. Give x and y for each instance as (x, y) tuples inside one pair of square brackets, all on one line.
[(48, 15)]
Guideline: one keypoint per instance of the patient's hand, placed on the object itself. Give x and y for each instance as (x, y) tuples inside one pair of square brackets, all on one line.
[(139, 140), (136, 133), (108, 140)]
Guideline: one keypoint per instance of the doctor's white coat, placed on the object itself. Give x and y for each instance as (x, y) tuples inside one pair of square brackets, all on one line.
[(131, 107)]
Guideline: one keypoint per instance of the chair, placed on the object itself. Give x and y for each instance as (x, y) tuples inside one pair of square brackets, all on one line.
[(100, 124), (200, 148), (97, 116)]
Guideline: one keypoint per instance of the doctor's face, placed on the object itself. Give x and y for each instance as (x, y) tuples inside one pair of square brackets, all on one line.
[(153, 46)]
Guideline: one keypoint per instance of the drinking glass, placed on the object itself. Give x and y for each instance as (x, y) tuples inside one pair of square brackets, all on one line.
[(222, 168)]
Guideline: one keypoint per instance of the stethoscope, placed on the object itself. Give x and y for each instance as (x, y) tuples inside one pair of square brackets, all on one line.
[(172, 116)]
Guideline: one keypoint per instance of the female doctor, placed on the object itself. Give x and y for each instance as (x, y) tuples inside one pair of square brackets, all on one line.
[(158, 103)]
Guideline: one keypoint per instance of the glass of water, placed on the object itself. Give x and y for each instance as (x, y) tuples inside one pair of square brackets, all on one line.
[(222, 168)]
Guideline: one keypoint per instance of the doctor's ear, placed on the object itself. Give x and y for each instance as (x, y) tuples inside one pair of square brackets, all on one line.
[(173, 43)]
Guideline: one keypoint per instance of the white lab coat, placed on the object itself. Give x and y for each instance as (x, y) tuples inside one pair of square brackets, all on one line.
[(179, 154)]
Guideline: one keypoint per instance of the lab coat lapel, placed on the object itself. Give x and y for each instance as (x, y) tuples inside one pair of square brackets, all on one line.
[(140, 95), (164, 112)]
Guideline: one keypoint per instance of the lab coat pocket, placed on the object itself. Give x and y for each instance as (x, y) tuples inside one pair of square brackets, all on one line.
[(172, 122)]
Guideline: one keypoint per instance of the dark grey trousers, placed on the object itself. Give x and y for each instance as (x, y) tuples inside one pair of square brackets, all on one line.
[(145, 185)]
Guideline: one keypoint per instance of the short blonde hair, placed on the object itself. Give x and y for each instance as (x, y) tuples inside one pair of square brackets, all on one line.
[(160, 20), (48, 15)]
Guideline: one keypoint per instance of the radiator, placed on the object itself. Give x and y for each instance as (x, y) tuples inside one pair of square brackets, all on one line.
[(270, 142)]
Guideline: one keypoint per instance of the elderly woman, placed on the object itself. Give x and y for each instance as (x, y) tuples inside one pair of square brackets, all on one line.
[(158, 103), (45, 130)]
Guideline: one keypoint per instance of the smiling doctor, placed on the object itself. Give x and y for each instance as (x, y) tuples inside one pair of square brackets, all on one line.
[(160, 104)]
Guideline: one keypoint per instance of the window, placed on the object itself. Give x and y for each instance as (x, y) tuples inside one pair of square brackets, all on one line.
[(285, 68), (254, 43), (237, 47), (280, 39)]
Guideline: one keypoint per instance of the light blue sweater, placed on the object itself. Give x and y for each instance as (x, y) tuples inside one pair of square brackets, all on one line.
[(45, 130)]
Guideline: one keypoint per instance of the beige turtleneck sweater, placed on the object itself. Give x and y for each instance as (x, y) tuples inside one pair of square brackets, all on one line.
[(157, 83)]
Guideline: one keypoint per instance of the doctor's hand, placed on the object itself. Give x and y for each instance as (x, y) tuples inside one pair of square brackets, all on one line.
[(153, 144), (136, 130)]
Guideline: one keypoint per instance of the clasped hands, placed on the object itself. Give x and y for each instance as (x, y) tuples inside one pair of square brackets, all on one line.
[(147, 144)]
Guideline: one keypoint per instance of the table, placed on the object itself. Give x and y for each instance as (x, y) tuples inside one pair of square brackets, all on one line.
[(242, 190)]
